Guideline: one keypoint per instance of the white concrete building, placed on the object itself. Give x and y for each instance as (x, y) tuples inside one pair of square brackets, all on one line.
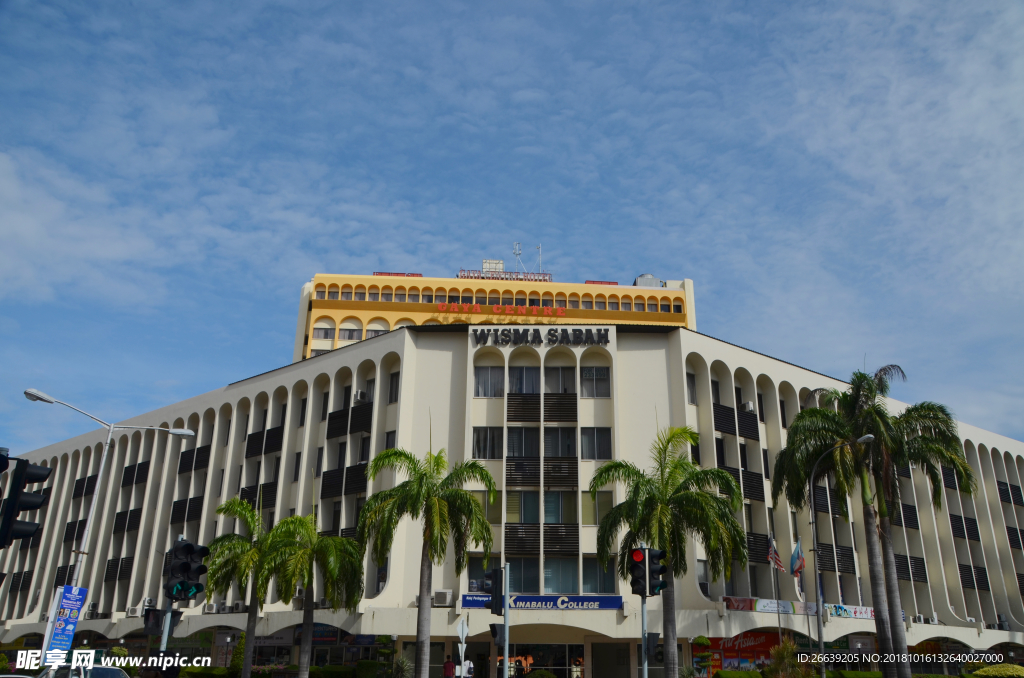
[(542, 406)]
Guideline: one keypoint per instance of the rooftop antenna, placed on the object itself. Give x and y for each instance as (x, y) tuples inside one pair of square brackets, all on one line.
[(540, 260), (517, 250)]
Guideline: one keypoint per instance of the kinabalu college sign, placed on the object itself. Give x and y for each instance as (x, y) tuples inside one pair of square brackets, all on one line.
[(571, 336), (546, 603)]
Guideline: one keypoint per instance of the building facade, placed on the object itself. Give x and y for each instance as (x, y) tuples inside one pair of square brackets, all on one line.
[(542, 403)]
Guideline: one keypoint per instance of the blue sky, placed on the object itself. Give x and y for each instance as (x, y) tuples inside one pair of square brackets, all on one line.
[(837, 180)]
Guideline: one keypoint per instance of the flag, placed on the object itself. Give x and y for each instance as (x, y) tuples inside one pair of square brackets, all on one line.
[(796, 563), (774, 558)]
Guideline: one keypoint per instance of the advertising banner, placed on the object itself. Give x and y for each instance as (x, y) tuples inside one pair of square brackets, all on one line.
[(552, 603), (850, 611), (68, 613), (768, 605)]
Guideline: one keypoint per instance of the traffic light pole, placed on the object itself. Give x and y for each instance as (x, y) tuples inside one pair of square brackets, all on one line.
[(505, 586), (643, 623), (168, 613)]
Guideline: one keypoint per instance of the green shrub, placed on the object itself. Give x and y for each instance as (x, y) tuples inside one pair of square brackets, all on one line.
[(929, 675), (332, 671), (366, 668), (1001, 671), (738, 674), (5, 666), (237, 656), (540, 673)]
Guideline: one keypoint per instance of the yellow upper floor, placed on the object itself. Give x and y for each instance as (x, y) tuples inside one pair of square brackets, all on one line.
[(337, 309)]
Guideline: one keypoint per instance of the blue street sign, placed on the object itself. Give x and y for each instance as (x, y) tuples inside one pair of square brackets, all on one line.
[(68, 613)]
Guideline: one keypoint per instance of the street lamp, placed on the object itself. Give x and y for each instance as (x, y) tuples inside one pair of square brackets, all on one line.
[(40, 397), (814, 534)]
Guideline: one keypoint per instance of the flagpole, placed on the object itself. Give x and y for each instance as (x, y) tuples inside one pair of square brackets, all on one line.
[(775, 592)]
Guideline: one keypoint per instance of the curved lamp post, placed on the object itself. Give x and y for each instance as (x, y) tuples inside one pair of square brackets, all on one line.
[(814, 533), (40, 397)]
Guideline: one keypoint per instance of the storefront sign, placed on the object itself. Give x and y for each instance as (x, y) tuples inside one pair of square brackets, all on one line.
[(572, 336), (850, 611), (554, 603), (323, 634), (71, 601)]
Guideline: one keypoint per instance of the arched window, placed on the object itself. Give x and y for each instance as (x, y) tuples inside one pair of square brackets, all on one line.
[(574, 300), (588, 302), (374, 293), (346, 293), (360, 293), (613, 303), (321, 292), (332, 292), (400, 295), (414, 295), (387, 294)]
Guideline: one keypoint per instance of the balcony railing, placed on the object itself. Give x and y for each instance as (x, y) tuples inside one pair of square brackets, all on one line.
[(757, 547), (560, 407), (562, 539), (522, 538), (337, 423), (753, 486), (956, 526), (747, 425), (826, 557), (561, 472), (355, 479), (274, 440), (521, 471), (361, 419), (523, 407), (845, 559), (1018, 498), (254, 444), (332, 484), (195, 509), (185, 461), (725, 418), (735, 472), (202, 458), (1014, 537)]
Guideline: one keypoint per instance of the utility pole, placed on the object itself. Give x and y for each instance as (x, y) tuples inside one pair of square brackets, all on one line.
[(508, 663), (643, 619)]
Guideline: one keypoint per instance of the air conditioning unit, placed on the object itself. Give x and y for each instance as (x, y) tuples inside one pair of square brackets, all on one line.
[(297, 604), (210, 608), (223, 608), (360, 396), (919, 619), (133, 612), (92, 614), (93, 607), (240, 606), (324, 604), (747, 406), (148, 602), (299, 592), (972, 620), (443, 598)]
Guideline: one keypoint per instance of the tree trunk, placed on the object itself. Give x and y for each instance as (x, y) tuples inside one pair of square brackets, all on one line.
[(306, 647), (423, 614), (668, 625), (250, 630), (876, 577), (892, 591)]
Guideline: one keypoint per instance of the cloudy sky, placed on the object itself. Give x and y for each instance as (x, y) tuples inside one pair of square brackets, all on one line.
[(844, 184)]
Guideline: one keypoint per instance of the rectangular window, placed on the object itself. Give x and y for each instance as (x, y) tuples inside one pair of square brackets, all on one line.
[(739, 396), (374, 296), (782, 412), (715, 393), (599, 305), (520, 302), (414, 298), (428, 298), (613, 306), (466, 299), (796, 532), (560, 507), (386, 296), (389, 439), (302, 413), (277, 468), (323, 333), (627, 306), (652, 308), (489, 382), (227, 432), (595, 382), (594, 510), (324, 405), (523, 442), (559, 441), (507, 301), (342, 449), (596, 442), (523, 507), (677, 308), (753, 581), (481, 299), (588, 305), (336, 515), (560, 575), (597, 579), (771, 522), (350, 335), (360, 296), (720, 452), (364, 449), (523, 575), (319, 461), (748, 514), (695, 454), (320, 294), (559, 303), (664, 308), (393, 381), (346, 296), (691, 388), (494, 301), (333, 294), (487, 442), (371, 385), (703, 579), (743, 456), (764, 463), (524, 380), (760, 407), (534, 302), (491, 509), (573, 303), (220, 485), (559, 379)]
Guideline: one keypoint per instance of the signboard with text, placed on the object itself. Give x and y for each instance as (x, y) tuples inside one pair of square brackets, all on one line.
[(552, 603), (68, 613)]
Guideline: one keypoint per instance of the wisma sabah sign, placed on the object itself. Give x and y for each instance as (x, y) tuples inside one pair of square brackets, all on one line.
[(552, 337)]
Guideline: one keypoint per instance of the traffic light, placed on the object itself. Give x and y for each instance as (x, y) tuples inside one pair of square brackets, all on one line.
[(655, 568), (19, 500), (498, 633), (184, 571), (638, 571), (494, 584)]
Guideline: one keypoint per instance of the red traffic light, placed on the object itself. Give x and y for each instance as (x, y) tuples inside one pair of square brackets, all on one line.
[(638, 555)]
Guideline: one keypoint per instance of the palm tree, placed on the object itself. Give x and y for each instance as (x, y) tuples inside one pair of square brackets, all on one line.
[(665, 504), (434, 493), (238, 559), (296, 550)]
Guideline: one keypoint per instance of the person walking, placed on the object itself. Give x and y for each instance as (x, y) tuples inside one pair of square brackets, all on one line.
[(449, 668)]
